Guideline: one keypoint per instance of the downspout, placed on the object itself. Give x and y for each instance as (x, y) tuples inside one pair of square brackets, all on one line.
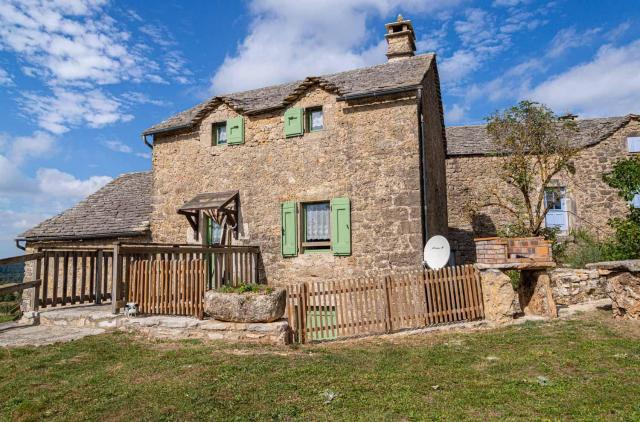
[(423, 171), (147, 143), (19, 246)]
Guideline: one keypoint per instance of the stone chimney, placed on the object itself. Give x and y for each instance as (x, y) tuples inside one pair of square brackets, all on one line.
[(401, 40)]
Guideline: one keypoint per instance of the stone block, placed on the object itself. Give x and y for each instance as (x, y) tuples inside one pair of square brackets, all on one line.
[(624, 291), (500, 300), (535, 294)]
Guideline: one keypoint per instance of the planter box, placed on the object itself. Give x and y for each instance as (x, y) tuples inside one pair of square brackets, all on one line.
[(245, 307)]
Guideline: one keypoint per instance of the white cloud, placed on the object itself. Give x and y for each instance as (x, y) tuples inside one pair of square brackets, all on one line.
[(458, 66), (509, 3), (12, 180), (287, 37), (68, 108), (607, 85), (5, 78), (118, 146), (70, 41), (456, 114), (570, 38), (56, 183), (141, 98), (35, 145)]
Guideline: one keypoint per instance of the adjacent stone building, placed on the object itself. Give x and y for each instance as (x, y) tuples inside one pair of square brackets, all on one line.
[(118, 212), (333, 176), (583, 199)]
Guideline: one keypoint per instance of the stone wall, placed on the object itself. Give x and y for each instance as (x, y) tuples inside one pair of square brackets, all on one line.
[(368, 151), (591, 202), (571, 286)]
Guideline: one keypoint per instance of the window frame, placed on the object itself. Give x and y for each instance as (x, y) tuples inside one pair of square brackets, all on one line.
[(307, 119), (311, 246), (630, 139), (214, 134)]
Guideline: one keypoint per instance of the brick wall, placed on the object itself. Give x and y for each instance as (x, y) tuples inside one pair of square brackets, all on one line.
[(498, 250)]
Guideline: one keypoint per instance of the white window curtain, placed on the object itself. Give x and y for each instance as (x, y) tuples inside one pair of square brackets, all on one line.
[(317, 219), (317, 121), (222, 134)]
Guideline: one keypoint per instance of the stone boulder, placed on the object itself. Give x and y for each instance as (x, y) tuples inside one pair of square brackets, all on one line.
[(624, 291), (501, 302), (536, 294), (245, 307)]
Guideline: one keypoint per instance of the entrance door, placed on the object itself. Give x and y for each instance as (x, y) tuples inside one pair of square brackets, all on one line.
[(557, 216)]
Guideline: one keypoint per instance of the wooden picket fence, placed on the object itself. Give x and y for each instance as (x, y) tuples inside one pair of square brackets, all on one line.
[(169, 287), (172, 280), (326, 310)]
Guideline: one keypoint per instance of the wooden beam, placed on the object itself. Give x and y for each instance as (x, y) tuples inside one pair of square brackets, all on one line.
[(18, 287), (20, 259)]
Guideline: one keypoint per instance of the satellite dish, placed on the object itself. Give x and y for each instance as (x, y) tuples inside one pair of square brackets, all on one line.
[(436, 252)]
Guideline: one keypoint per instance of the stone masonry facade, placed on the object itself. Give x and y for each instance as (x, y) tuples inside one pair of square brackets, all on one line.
[(368, 151), (591, 202)]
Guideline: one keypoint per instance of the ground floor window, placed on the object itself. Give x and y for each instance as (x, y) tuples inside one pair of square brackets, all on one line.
[(557, 215), (318, 226), (316, 223)]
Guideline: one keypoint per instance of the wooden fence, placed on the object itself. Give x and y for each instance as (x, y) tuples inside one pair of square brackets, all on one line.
[(163, 279), (326, 310), (171, 280)]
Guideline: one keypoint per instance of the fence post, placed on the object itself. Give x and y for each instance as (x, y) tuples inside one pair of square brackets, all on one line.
[(304, 296), (36, 290), (115, 279), (98, 278), (387, 304)]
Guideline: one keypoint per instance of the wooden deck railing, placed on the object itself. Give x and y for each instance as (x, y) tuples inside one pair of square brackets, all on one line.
[(163, 279)]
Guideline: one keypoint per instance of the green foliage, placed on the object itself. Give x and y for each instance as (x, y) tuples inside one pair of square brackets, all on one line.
[(584, 248), (625, 177), (246, 288), (516, 278), (12, 273), (535, 145)]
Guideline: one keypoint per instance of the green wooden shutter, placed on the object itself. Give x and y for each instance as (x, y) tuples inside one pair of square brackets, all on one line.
[(235, 130), (341, 226), (289, 238), (293, 122)]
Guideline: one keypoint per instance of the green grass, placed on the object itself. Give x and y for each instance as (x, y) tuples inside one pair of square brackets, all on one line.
[(592, 365)]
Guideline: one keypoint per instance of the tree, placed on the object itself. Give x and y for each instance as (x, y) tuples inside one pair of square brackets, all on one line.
[(625, 177), (535, 146)]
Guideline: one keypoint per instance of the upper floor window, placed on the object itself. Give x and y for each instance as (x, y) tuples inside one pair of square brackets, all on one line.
[(633, 143), (219, 134), (315, 119)]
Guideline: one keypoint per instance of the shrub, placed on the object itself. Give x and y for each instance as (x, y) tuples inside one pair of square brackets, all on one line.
[(246, 288)]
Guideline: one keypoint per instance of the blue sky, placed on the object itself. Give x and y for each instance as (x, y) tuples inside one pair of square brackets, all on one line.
[(81, 79)]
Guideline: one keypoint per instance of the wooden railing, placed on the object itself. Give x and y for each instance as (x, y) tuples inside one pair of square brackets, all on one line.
[(171, 280), (163, 279), (328, 310)]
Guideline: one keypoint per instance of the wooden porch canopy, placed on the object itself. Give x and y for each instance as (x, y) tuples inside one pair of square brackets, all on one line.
[(221, 207)]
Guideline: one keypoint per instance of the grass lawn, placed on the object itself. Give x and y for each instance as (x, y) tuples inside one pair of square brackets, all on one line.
[(587, 368)]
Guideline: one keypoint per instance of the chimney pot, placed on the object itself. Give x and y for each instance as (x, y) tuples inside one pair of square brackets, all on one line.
[(401, 40)]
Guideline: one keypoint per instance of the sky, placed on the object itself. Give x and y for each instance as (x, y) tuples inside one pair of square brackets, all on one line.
[(80, 80)]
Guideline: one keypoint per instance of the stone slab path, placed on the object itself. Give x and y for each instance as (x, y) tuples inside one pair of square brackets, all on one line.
[(19, 335)]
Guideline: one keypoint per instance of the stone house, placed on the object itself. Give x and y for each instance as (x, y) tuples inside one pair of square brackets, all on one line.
[(333, 176), (580, 201)]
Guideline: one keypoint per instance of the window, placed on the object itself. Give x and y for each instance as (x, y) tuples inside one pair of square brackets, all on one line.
[(315, 119), (557, 215), (633, 143), (316, 233), (219, 134), (315, 227)]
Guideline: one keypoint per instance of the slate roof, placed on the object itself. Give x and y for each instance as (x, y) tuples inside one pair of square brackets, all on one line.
[(474, 140), (391, 75), (120, 208)]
